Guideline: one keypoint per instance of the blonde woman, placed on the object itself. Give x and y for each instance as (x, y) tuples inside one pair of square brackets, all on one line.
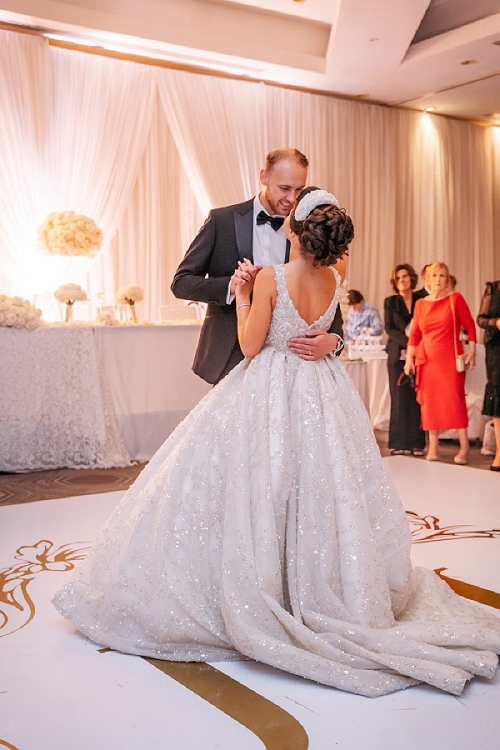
[(433, 347)]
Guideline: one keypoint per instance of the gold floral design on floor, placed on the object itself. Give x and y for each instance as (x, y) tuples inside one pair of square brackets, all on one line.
[(17, 608), (428, 529)]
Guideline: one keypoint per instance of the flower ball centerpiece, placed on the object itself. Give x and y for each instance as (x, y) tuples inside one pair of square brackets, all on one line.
[(129, 295), (70, 293), (16, 312), (69, 233)]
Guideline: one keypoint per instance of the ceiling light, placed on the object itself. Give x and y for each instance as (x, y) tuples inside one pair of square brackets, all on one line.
[(468, 62), (430, 109)]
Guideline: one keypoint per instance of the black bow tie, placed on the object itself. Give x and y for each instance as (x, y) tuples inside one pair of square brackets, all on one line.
[(275, 221)]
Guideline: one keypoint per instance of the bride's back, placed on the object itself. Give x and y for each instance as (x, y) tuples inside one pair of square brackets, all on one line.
[(311, 288)]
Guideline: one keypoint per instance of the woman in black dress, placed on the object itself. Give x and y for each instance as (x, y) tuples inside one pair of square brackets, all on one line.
[(489, 319), (405, 434)]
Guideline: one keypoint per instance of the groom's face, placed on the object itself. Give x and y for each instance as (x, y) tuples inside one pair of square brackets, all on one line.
[(282, 184)]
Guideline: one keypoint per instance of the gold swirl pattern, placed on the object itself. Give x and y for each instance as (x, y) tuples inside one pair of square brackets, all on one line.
[(427, 529), (16, 606)]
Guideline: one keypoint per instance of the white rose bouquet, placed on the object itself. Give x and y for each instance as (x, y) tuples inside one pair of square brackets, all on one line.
[(16, 312), (68, 233), (129, 295), (70, 293)]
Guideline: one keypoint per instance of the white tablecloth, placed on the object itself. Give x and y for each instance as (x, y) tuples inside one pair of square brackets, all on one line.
[(378, 399), (148, 369), (55, 407), (93, 397)]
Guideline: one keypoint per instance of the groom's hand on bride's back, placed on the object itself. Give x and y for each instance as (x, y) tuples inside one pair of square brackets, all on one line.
[(316, 345)]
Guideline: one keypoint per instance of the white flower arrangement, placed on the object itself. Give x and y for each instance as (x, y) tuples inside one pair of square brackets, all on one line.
[(128, 295), (70, 293), (68, 233), (106, 318), (16, 312)]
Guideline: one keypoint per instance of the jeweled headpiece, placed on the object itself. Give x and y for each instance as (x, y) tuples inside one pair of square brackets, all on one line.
[(313, 199)]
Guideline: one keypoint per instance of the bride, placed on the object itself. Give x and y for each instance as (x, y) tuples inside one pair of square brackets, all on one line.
[(267, 527)]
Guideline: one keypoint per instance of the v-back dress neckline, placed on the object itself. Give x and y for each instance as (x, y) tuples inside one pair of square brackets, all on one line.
[(333, 301)]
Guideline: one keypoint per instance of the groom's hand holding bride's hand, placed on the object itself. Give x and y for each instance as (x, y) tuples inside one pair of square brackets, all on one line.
[(315, 345), (244, 275)]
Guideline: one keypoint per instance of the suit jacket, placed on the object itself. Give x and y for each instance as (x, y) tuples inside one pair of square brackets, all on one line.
[(204, 274), (396, 318)]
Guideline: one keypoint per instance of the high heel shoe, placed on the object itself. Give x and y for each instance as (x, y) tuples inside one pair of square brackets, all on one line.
[(429, 457), (460, 461), (494, 468)]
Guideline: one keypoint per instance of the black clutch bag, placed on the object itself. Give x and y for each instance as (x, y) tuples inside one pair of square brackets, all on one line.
[(407, 380)]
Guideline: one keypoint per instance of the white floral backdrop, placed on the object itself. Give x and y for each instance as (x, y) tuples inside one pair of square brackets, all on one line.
[(146, 151)]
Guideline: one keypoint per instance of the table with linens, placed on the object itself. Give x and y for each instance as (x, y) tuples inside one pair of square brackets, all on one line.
[(93, 397), (378, 399)]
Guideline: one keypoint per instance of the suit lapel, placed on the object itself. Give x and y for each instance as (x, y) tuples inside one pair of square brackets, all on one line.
[(243, 227)]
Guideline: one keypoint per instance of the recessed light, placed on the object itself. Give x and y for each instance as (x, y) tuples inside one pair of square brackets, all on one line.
[(430, 109), (375, 39), (468, 62)]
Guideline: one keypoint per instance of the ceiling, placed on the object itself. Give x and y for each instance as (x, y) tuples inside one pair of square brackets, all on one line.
[(443, 54)]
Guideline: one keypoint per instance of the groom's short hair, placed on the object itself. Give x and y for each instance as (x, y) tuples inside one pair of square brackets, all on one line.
[(285, 154)]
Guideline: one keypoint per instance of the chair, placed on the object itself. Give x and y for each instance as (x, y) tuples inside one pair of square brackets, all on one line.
[(179, 312)]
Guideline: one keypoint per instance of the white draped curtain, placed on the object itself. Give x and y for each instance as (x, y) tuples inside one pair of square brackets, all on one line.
[(84, 122), (147, 151)]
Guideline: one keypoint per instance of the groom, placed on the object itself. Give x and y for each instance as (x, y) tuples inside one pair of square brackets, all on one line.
[(251, 230)]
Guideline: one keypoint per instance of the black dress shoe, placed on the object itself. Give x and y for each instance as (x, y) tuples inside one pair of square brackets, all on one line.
[(494, 468)]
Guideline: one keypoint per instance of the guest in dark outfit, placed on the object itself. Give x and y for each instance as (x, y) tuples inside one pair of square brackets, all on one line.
[(405, 434), (425, 289), (489, 319)]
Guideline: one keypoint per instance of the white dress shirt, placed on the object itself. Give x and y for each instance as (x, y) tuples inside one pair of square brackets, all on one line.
[(269, 246)]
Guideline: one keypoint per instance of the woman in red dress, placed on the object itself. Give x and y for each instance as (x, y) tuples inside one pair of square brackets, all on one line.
[(432, 349)]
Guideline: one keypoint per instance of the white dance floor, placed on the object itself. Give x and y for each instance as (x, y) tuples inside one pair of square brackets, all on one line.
[(58, 691)]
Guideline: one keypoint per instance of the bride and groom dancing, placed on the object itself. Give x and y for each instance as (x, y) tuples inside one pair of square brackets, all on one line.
[(266, 526)]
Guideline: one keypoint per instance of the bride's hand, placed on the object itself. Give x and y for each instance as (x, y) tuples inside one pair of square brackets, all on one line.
[(244, 275)]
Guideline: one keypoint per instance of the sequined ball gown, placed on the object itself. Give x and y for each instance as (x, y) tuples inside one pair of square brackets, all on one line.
[(267, 526)]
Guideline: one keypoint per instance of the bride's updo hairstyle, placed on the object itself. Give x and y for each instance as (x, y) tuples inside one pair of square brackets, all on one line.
[(326, 230)]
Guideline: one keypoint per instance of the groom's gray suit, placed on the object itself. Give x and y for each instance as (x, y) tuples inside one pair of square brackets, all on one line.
[(204, 275)]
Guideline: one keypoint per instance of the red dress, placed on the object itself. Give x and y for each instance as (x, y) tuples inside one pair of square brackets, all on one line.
[(440, 388)]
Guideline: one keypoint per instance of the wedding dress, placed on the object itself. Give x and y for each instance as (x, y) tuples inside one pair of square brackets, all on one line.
[(267, 527)]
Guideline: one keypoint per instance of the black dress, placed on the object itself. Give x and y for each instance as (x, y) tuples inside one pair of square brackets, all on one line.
[(487, 319), (405, 432)]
